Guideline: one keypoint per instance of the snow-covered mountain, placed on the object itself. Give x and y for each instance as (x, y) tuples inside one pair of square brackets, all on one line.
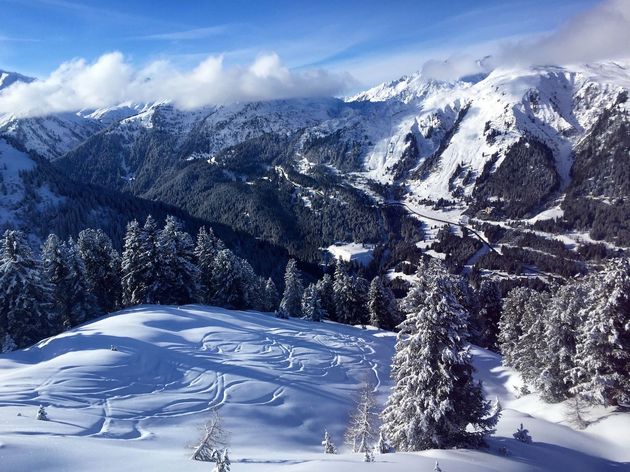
[(131, 391), (502, 148)]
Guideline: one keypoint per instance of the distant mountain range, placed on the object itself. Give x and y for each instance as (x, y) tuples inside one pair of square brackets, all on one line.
[(537, 160)]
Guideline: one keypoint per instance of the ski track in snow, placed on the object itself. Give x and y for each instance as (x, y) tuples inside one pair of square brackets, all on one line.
[(277, 383)]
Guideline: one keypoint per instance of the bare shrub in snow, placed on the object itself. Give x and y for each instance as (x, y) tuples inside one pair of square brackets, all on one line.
[(215, 437)]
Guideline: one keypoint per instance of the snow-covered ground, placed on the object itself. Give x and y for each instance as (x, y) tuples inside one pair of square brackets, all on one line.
[(352, 252), (277, 383)]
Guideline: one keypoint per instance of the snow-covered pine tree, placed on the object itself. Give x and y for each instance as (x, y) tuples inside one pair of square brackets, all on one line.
[(102, 268), (180, 274), (351, 296), (152, 262), (361, 430), (381, 305), (485, 322), (528, 353), (360, 313), (343, 294), (231, 281), (82, 301), (206, 249), (291, 303), (602, 362), (561, 319), (382, 446), (327, 296), (271, 296), (25, 295), (426, 410), (56, 271), (133, 280), (329, 447), (522, 435), (510, 325), (312, 304)]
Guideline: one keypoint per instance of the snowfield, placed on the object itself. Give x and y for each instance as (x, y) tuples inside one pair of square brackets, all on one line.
[(277, 383)]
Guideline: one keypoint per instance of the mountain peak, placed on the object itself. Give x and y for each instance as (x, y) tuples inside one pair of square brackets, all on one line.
[(8, 78)]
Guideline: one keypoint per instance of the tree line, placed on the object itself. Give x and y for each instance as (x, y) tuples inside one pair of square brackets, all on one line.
[(72, 281), (574, 340)]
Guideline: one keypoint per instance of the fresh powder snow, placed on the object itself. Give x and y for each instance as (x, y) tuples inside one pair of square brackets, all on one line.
[(131, 391)]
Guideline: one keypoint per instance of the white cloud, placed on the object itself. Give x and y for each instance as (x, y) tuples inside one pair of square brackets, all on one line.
[(110, 80), (599, 34), (602, 33)]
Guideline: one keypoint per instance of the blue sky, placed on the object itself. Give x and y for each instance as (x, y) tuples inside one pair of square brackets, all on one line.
[(372, 40)]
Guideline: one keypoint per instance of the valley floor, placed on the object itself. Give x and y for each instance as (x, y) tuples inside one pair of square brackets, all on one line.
[(278, 385)]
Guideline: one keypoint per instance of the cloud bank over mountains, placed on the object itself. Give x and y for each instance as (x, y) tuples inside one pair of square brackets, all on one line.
[(111, 79), (602, 33)]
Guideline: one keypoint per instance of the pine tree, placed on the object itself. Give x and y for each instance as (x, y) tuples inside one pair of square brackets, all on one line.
[(82, 301), (485, 324), (381, 305), (102, 268), (232, 282), (329, 447), (56, 271), (327, 296), (271, 297), (561, 320), (602, 361), (133, 281), (528, 354), (180, 275), (510, 324), (522, 435), (25, 296), (426, 410), (312, 304), (343, 296), (361, 428), (72, 299), (206, 249), (142, 276), (351, 296), (41, 414), (382, 445), (152, 264), (291, 303)]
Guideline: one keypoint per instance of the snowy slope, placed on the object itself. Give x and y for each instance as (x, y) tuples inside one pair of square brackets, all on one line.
[(277, 383), (50, 136)]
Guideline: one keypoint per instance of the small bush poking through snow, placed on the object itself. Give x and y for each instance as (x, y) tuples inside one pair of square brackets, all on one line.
[(522, 435), (329, 447), (437, 467), (221, 460), (41, 414)]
